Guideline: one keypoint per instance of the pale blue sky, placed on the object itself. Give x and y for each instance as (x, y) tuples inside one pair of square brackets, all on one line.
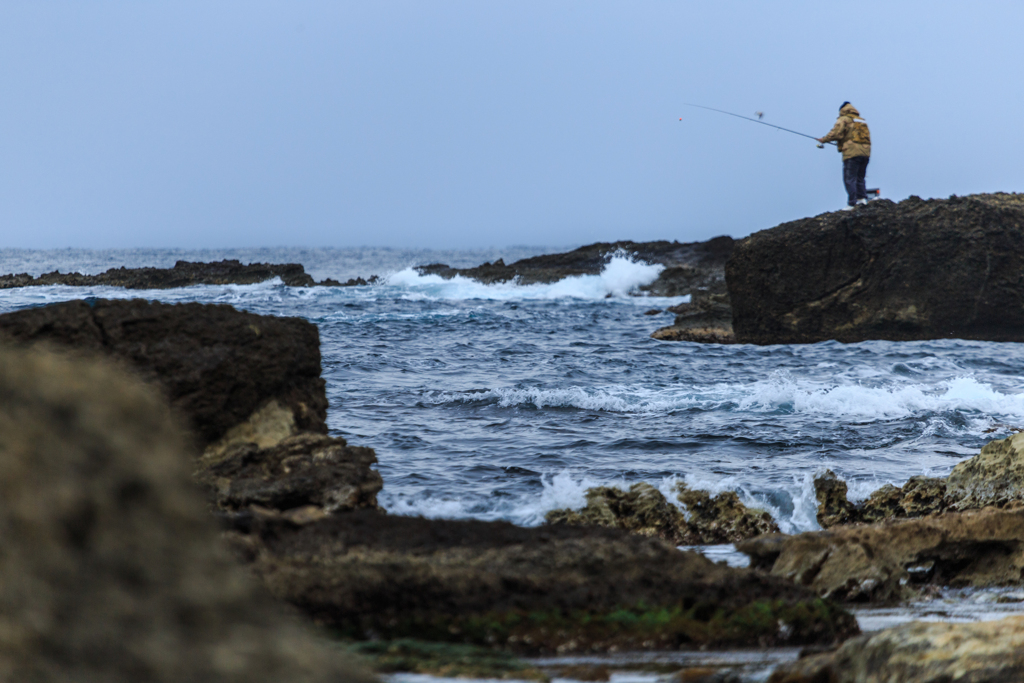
[(476, 123)]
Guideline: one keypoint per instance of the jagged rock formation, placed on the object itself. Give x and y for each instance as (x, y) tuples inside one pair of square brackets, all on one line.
[(993, 477), (883, 562), (986, 652), (707, 319), (111, 568), (553, 588), (644, 510), (688, 267), (941, 268), (183, 274), (247, 385)]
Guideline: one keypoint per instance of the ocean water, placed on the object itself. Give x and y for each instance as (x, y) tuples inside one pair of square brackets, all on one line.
[(506, 401)]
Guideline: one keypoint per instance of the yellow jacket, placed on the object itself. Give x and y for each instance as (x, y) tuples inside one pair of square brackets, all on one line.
[(850, 134)]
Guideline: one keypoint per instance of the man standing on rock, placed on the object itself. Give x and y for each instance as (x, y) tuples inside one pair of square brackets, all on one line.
[(853, 139)]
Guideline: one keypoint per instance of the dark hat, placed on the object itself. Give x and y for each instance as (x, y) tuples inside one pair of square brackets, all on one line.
[(843, 105)]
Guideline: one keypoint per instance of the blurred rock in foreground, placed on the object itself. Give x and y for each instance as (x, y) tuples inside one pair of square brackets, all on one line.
[(111, 568)]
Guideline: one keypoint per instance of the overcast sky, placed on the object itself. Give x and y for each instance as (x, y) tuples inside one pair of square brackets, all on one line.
[(456, 124)]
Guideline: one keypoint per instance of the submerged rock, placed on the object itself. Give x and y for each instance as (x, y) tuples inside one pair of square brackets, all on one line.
[(688, 267), (985, 652), (644, 510), (111, 568), (183, 274), (886, 562), (935, 269), (554, 588)]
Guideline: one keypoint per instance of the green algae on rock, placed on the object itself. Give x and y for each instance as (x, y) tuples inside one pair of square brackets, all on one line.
[(554, 588), (644, 510)]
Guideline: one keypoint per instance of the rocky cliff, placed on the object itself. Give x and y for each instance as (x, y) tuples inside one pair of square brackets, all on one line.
[(941, 268)]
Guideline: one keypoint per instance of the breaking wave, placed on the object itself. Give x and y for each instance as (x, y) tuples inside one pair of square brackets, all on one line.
[(620, 277)]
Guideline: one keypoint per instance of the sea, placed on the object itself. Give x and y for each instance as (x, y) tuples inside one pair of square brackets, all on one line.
[(507, 401)]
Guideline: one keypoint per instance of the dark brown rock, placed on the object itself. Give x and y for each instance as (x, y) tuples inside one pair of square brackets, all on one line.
[(644, 510), (300, 471), (706, 319), (183, 274), (551, 588), (216, 365), (942, 268), (111, 568), (884, 562)]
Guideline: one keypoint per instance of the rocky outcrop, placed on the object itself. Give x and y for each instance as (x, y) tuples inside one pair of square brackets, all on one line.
[(688, 266), (644, 510), (216, 365), (183, 274), (886, 562), (942, 268), (247, 385), (553, 588), (993, 477), (111, 568), (299, 472), (706, 319), (919, 652)]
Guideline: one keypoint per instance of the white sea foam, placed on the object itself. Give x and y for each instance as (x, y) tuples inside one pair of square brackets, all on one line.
[(620, 277), (777, 394)]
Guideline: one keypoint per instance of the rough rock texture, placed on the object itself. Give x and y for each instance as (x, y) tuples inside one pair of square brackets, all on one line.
[(298, 472), (217, 366), (707, 318), (881, 563), (918, 652), (552, 588), (942, 268), (993, 477), (644, 510), (111, 568), (183, 274), (688, 267)]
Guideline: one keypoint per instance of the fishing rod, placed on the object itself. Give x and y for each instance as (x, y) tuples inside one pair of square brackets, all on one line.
[(757, 120)]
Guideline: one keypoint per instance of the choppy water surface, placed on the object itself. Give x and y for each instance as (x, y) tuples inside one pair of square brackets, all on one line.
[(504, 402)]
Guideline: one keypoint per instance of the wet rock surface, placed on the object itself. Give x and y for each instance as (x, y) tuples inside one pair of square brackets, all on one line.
[(706, 319), (183, 274), (919, 652), (644, 510), (993, 477), (888, 562), (688, 266), (941, 268), (216, 365), (548, 589), (111, 567)]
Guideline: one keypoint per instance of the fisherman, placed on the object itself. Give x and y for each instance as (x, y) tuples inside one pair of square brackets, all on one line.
[(853, 139)]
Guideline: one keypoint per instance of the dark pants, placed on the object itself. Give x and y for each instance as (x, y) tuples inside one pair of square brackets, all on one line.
[(854, 171)]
